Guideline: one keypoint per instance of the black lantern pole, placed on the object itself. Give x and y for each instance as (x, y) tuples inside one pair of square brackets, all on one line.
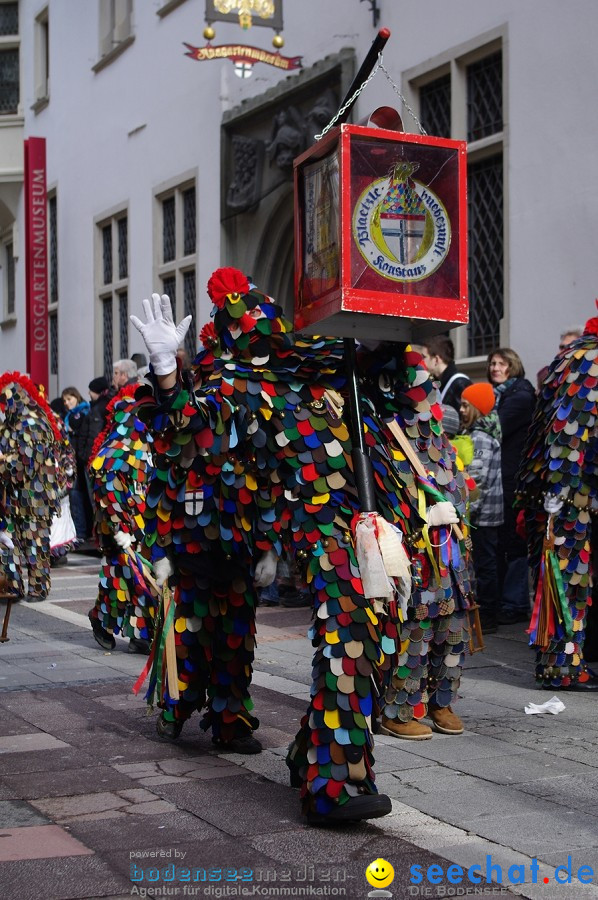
[(362, 465)]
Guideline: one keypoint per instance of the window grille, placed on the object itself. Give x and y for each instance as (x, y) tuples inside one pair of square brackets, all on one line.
[(435, 107), (10, 280), (53, 344), (168, 230), (486, 254), (189, 299), (107, 255), (123, 249), (189, 220), (123, 315), (484, 97), (169, 287), (9, 19), (9, 80), (53, 249), (108, 338)]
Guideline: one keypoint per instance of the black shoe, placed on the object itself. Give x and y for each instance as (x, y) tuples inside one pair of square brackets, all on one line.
[(246, 745), (489, 624), (364, 806), (295, 778), (35, 598), (105, 640), (139, 645), (295, 600), (170, 731), (511, 616)]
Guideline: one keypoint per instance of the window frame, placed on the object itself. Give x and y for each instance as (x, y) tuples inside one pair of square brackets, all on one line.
[(456, 61), (114, 35), (13, 42), (110, 291), (183, 263), (41, 60)]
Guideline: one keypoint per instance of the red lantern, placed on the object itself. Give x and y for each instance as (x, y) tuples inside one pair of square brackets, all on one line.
[(380, 234)]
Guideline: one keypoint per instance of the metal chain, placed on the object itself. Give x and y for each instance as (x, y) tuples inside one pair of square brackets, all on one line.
[(350, 101), (381, 65), (353, 98)]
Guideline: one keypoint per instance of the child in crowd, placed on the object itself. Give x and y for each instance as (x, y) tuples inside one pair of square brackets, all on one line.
[(480, 421)]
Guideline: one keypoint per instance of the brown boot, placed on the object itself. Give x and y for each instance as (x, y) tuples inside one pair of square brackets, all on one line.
[(444, 719), (409, 731)]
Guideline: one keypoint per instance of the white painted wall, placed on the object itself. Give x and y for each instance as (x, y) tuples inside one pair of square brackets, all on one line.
[(174, 106)]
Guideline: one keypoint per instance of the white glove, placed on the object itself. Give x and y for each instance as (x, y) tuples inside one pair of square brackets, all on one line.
[(443, 513), (265, 570), (6, 540), (552, 504), (163, 570), (124, 540), (162, 338)]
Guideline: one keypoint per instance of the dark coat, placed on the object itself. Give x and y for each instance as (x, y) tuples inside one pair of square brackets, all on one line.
[(515, 412), (93, 423), (452, 396)]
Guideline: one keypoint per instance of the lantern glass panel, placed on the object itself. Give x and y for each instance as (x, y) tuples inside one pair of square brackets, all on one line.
[(404, 205), (321, 239)]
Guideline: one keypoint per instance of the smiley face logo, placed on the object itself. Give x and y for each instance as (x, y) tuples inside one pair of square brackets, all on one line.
[(379, 873)]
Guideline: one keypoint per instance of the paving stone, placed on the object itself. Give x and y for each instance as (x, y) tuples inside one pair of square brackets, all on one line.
[(17, 813), (135, 832), (524, 767), (38, 842), (70, 878), (28, 743), (259, 805), (77, 781), (61, 809)]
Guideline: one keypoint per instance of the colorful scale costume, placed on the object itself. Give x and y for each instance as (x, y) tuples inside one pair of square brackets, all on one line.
[(120, 468), (263, 444), (36, 458), (561, 458), (435, 633)]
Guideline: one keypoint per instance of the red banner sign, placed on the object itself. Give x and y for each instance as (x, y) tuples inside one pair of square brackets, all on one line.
[(245, 54), (36, 260)]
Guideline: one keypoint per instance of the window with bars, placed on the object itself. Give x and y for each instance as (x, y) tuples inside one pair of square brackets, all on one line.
[(469, 99), (190, 310), (123, 237), (123, 316), (107, 337), (107, 252), (9, 59), (9, 278), (53, 319), (112, 273), (435, 106), (177, 210), (486, 254), (484, 97), (53, 249)]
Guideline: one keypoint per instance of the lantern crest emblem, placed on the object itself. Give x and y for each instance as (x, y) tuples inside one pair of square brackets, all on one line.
[(401, 226)]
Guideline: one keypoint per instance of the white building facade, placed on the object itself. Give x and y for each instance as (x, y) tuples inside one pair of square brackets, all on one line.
[(161, 168)]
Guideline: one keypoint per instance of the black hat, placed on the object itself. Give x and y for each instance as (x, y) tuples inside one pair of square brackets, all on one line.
[(98, 385)]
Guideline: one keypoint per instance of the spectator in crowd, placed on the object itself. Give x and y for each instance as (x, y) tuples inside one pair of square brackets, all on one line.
[(515, 402), (140, 361), (77, 409), (480, 420), (93, 423), (567, 337), (124, 371), (439, 356)]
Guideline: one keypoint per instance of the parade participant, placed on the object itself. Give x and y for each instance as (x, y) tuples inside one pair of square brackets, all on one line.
[(404, 425), (263, 442), (34, 458), (557, 488), (119, 472)]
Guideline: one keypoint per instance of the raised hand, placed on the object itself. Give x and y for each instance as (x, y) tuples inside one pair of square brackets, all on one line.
[(161, 336)]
